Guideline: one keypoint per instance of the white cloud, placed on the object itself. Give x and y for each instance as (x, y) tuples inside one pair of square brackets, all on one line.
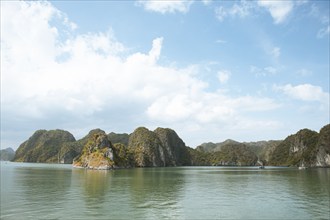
[(279, 10), (166, 6), (266, 71), (220, 41), (323, 32), (304, 72), (323, 19), (305, 92), (271, 70), (221, 13), (207, 2), (223, 76), (276, 52), (206, 108), (241, 9), (301, 2), (87, 81)]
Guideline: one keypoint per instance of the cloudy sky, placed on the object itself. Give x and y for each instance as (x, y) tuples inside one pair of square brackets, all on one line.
[(211, 70)]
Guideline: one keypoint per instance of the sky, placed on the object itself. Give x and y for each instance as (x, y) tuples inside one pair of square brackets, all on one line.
[(210, 70)]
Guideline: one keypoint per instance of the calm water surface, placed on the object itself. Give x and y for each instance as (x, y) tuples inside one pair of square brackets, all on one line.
[(48, 191)]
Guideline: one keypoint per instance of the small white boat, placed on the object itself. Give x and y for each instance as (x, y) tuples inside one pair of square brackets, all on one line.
[(302, 168)]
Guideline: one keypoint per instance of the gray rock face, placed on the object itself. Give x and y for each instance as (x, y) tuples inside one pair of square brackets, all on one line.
[(97, 152), (305, 148), (323, 146), (163, 147), (175, 150), (147, 148)]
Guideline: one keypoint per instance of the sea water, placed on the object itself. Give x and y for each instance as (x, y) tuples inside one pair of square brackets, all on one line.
[(56, 191)]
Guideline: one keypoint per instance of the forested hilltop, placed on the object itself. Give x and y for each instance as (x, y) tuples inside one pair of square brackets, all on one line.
[(305, 148), (163, 147)]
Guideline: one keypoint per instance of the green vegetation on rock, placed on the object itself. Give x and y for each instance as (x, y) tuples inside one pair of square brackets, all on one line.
[(97, 152), (163, 147), (323, 146), (45, 147), (296, 150), (123, 156), (118, 138), (228, 153), (147, 148)]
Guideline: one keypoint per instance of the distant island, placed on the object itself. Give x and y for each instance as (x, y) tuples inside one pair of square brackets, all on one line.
[(7, 154), (163, 147)]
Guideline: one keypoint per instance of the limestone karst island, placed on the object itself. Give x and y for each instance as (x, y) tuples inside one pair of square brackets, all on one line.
[(163, 147)]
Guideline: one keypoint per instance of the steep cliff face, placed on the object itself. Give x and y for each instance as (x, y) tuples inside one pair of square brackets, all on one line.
[(97, 152), (299, 149), (175, 150), (44, 146), (147, 148), (162, 147), (323, 146)]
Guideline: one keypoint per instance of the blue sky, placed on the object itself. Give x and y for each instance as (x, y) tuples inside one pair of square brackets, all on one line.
[(211, 70)]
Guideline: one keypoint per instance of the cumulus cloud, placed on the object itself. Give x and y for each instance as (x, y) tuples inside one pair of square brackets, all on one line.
[(279, 10), (223, 76), (304, 92), (83, 81), (166, 6)]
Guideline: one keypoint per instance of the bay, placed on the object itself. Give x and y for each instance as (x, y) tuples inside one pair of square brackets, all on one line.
[(56, 191)]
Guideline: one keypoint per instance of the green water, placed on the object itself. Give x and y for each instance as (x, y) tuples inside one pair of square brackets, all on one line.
[(48, 191)]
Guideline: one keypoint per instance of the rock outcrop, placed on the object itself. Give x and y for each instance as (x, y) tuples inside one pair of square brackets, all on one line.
[(7, 154), (305, 148), (147, 149), (234, 154), (45, 147), (227, 153), (97, 152), (162, 147), (323, 146), (175, 150)]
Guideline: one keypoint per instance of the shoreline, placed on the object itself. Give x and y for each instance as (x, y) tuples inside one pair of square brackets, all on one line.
[(119, 168)]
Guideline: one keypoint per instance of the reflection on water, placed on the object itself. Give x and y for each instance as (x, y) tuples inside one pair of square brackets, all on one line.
[(249, 193), (155, 193), (311, 191), (33, 190), (43, 191), (96, 183)]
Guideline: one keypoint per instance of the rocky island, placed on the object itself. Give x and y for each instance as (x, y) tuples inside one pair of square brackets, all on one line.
[(7, 154), (97, 153), (163, 147)]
